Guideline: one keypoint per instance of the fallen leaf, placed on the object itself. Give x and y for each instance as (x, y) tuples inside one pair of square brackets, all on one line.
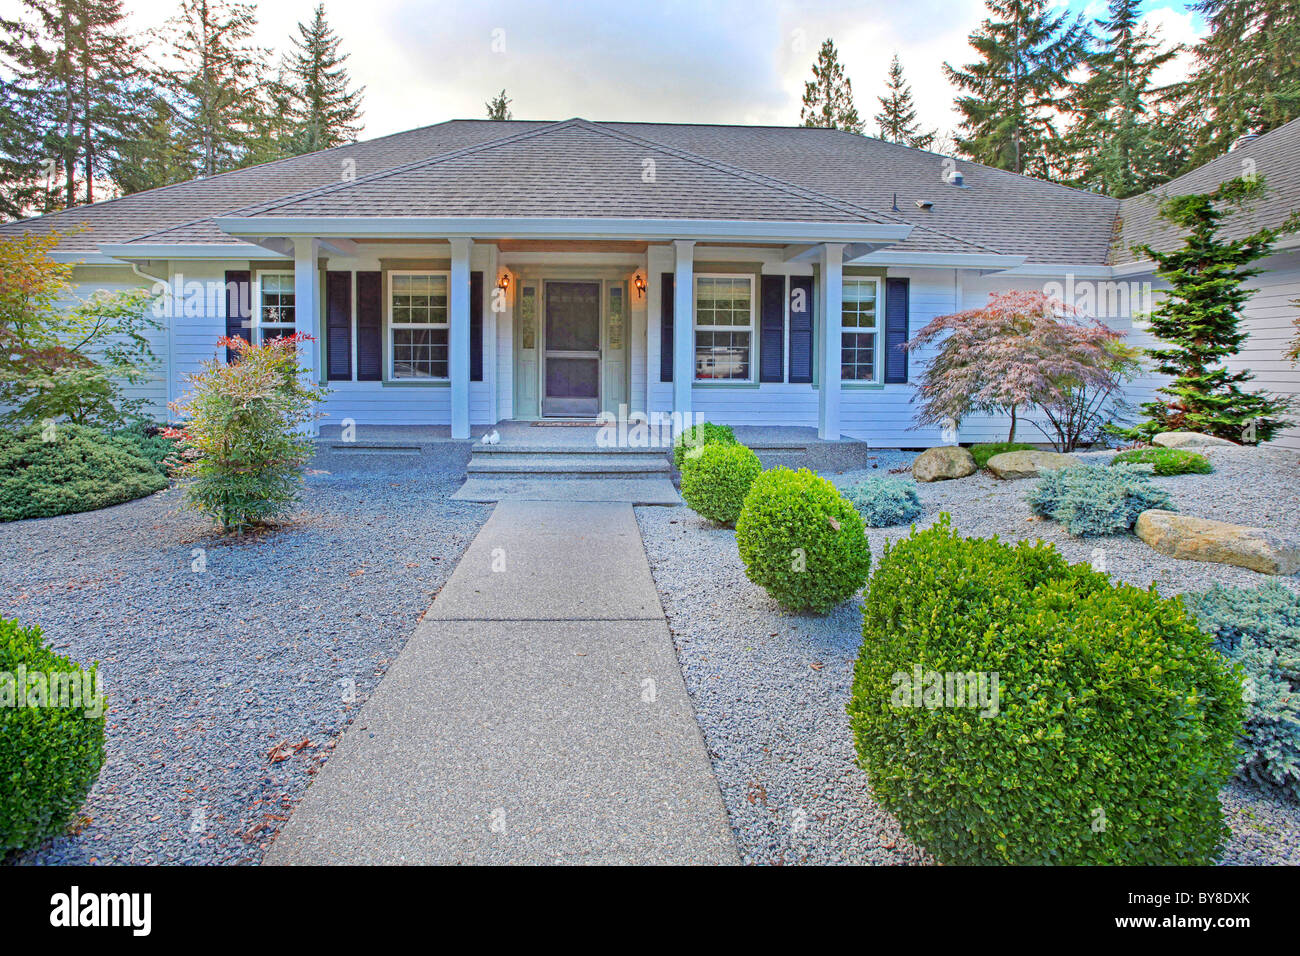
[(833, 523)]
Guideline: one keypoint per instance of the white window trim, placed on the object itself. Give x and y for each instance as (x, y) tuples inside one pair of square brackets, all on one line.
[(390, 326), (878, 370), (256, 323), (696, 327)]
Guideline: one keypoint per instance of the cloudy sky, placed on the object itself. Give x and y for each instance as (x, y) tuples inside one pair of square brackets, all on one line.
[(678, 60)]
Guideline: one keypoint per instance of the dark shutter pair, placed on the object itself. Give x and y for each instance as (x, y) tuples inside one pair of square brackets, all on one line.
[(801, 330), (370, 305)]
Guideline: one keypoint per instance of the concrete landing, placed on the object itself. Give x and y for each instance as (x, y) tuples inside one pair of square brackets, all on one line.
[(637, 491), (537, 715)]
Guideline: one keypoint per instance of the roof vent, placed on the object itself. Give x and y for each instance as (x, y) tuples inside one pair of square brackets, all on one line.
[(954, 178), (924, 204), (1245, 139)]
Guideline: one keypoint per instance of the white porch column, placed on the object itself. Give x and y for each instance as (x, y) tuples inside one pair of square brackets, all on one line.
[(683, 329), (458, 346), (831, 282), (307, 310)]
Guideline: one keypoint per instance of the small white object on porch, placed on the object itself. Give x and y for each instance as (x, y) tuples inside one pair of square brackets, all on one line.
[(683, 330), (307, 308), (831, 295), (458, 346)]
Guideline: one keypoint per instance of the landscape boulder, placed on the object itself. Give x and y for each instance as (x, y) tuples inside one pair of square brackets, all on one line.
[(1028, 464), (943, 463), (1189, 440), (1200, 539)]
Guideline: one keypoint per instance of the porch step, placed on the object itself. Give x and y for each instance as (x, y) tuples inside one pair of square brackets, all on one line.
[(588, 464)]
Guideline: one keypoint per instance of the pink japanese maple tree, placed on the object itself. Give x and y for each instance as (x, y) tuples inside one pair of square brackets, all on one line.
[(1019, 349)]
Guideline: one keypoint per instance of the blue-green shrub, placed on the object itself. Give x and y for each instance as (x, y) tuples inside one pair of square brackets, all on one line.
[(1094, 500), (802, 541), (1259, 629), (1114, 722), (716, 478), (884, 502), (49, 756)]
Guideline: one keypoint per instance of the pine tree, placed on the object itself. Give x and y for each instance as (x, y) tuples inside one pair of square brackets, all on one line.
[(1025, 56), (1246, 78), (828, 96), (153, 156), (498, 108), (77, 81), (324, 108), (1120, 143), (897, 116), (1199, 321), (217, 84)]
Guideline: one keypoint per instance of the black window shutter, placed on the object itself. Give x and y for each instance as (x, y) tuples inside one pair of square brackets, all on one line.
[(338, 325), (476, 326), (239, 306), (801, 329), (771, 341), (897, 292), (666, 328), (370, 294)]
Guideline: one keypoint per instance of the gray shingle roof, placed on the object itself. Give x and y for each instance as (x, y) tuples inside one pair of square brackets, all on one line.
[(1275, 156), (581, 169)]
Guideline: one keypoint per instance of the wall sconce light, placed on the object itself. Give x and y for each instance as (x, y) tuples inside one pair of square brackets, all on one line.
[(504, 282), (638, 283)]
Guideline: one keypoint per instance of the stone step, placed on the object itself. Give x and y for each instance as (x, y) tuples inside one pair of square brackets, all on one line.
[(585, 464), (517, 447)]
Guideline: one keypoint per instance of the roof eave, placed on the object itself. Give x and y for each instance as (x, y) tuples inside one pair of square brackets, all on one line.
[(118, 251)]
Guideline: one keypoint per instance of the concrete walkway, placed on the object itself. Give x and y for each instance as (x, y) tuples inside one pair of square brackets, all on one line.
[(537, 715)]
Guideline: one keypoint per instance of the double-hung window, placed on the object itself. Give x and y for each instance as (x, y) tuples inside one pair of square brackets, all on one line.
[(724, 328), (275, 306), (417, 324), (860, 352)]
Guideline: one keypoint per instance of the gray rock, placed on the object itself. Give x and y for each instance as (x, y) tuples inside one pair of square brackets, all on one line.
[(1198, 539), (943, 463), (1189, 440), (1028, 464)]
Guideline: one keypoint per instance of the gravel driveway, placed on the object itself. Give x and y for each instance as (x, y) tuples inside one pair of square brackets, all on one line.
[(231, 667), (770, 687)]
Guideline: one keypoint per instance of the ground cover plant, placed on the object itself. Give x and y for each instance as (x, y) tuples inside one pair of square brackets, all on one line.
[(1166, 461)]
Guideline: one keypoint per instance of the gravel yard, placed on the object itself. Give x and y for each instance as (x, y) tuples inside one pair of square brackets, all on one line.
[(770, 688), (230, 667)]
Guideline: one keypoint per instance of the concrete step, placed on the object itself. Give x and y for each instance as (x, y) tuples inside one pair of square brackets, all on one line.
[(515, 447), (587, 466)]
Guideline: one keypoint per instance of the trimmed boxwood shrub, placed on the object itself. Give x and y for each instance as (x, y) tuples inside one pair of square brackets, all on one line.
[(1115, 718), (986, 450), (1259, 629), (49, 755), (884, 502), (1095, 500), (1166, 461), (716, 480), (78, 469), (698, 436), (802, 541)]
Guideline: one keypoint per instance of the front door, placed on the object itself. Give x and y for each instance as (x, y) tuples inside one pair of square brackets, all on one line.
[(572, 359)]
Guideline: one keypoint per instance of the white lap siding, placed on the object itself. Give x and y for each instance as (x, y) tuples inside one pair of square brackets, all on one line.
[(1270, 315)]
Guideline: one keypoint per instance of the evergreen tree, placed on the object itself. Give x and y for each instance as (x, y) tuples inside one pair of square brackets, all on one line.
[(322, 105), (77, 81), (1246, 78), (897, 116), (1121, 143), (217, 83), (828, 96), (1025, 54), (498, 108), (153, 156), (1199, 321)]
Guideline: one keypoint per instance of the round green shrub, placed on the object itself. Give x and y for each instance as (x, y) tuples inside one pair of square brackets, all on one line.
[(801, 541), (1166, 461), (1259, 630), (983, 451), (884, 502), (1105, 739), (76, 469), (1095, 500), (698, 436), (716, 478), (50, 753)]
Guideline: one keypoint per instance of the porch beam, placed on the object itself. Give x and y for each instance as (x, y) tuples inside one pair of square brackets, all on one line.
[(458, 334), (683, 329), (830, 280)]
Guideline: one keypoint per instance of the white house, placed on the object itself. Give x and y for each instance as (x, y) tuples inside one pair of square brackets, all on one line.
[(478, 271)]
